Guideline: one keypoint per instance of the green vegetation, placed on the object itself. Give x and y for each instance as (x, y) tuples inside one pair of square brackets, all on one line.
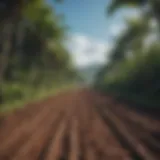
[(31, 95), (33, 57), (133, 72)]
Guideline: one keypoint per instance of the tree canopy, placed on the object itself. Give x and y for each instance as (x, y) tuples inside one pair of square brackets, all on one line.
[(133, 70), (32, 45)]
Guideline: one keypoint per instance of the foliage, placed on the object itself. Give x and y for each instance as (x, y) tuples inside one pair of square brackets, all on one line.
[(33, 54), (133, 69), (115, 4), (152, 7)]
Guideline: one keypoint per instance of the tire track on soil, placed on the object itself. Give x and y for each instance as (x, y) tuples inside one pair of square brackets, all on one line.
[(76, 125)]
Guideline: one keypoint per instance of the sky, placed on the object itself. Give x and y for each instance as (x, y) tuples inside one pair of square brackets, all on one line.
[(91, 31)]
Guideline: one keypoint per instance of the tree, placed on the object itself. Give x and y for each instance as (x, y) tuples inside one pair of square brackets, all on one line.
[(33, 51), (154, 6), (9, 12), (133, 37)]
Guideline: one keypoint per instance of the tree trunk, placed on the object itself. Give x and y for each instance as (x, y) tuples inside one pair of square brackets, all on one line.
[(6, 48), (20, 38)]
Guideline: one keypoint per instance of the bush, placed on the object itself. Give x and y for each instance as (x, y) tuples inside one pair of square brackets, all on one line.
[(136, 77)]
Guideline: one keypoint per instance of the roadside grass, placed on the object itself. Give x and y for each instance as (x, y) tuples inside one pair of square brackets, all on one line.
[(26, 94)]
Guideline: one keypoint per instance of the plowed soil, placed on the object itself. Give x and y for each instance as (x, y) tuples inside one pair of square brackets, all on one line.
[(79, 125)]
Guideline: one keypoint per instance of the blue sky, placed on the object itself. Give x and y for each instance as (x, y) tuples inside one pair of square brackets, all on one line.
[(85, 16), (91, 30)]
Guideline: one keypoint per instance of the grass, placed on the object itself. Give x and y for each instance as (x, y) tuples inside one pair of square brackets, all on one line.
[(32, 95)]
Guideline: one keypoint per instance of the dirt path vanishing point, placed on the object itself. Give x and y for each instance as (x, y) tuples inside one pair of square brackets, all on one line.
[(79, 125)]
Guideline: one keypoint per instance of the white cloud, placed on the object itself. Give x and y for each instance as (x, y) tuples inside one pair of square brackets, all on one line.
[(117, 29), (86, 50)]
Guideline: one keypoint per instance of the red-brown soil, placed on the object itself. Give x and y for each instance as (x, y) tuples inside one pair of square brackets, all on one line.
[(79, 125)]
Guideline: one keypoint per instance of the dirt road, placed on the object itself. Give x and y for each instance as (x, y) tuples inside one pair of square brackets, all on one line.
[(79, 125)]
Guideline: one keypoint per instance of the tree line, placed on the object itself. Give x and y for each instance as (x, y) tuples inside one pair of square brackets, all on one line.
[(133, 71), (32, 50)]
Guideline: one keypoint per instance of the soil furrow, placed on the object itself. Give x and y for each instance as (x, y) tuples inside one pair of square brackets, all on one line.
[(11, 129), (31, 150), (136, 146), (74, 141), (55, 150), (78, 125), (21, 135)]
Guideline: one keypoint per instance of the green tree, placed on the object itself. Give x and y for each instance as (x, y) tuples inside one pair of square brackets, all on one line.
[(130, 40), (153, 5), (32, 48)]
